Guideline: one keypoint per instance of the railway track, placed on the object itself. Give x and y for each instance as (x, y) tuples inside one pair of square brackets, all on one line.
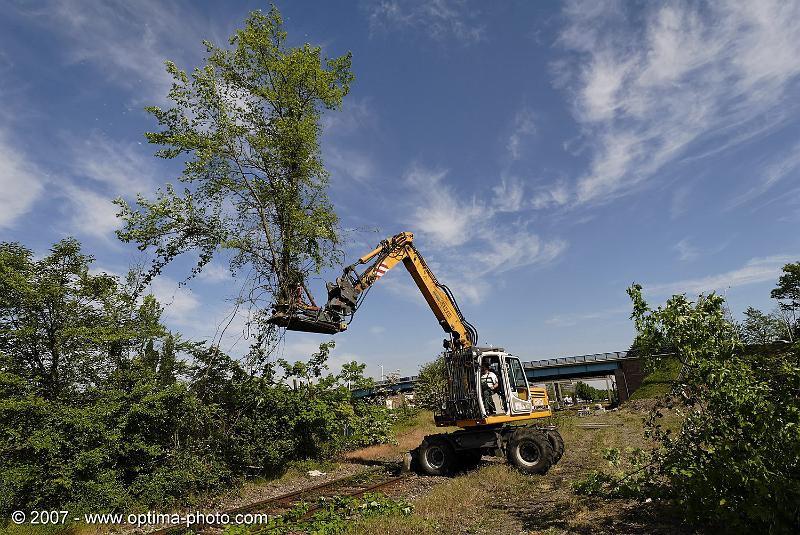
[(352, 486)]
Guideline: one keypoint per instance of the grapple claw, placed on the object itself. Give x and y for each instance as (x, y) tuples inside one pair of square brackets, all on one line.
[(296, 322)]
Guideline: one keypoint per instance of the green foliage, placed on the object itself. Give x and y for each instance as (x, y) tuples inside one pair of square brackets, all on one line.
[(248, 124), (430, 391), (334, 515), (589, 393), (117, 447), (63, 328), (735, 459), (788, 294), (100, 412), (631, 476), (761, 328)]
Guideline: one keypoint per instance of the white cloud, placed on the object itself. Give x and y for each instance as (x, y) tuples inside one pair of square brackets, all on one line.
[(439, 19), (350, 163), (21, 183), (773, 174), (754, 271), (214, 272), (90, 213), (128, 42), (645, 90), (509, 249), (523, 127), (686, 251), (509, 195), (462, 228), (179, 301), (100, 170), (438, 213), (579, 318), (355, 115), (679, 204), (120, 168), (552, 196)]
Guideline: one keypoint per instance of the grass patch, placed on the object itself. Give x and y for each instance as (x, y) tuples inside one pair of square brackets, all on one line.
[(659, 381)]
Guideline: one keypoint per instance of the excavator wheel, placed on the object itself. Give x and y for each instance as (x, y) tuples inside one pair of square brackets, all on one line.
[(557, 443), (530, 451), (436, 456)]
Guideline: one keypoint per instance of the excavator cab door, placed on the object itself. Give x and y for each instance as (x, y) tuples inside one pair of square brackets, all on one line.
[(518, 383)]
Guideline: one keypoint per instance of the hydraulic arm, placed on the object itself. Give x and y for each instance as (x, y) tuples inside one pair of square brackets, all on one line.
[(347, 293)]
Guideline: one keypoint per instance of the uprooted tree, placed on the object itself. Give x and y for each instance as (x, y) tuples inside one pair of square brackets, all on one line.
[(247, 124)]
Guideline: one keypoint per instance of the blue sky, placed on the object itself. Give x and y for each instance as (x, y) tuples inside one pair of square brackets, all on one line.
[(545, 155)]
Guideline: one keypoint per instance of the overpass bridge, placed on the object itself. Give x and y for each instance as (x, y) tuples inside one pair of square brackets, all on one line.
[(623, 365)]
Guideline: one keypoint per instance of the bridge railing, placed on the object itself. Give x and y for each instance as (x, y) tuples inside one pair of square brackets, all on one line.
[(580, 359)]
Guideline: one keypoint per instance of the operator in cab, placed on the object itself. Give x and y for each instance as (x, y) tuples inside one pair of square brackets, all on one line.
[(489, 386)]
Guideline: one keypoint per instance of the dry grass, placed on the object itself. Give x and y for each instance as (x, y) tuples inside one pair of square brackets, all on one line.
[(409, 436)]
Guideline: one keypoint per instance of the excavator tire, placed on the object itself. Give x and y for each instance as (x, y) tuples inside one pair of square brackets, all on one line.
[(557, 443), (530, 451), (436, 456)]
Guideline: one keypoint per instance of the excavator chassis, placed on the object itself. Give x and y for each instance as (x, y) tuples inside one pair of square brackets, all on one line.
[(532, 449)]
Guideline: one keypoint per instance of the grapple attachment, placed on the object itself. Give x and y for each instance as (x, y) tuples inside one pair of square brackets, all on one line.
[(304, 323)]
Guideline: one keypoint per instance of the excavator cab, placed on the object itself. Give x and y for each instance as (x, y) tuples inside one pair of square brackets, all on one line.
[(514, 399)]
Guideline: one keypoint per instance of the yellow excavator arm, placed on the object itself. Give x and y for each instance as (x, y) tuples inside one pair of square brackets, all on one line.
[(345, 296)]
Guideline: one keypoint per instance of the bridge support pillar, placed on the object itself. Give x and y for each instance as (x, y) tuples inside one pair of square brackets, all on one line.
[(628, 377)]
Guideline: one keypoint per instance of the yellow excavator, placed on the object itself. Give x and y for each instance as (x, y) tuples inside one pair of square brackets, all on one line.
[(502, 421)]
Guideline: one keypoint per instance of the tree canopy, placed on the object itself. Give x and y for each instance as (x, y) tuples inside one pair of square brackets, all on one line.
[(247, 126), (63, 327), (787, 292)]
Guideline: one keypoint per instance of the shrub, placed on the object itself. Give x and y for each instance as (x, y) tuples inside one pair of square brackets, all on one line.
[(735, 460)]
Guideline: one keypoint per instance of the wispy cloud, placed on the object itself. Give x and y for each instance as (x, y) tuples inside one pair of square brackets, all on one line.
[(686, 251), (349, 163), (691, 74), (21, 182), (509, 195), (90, 213), (773, 174), (579, 318), (100, 169), (439, 19), (522, 128), (179, 302), (754, 271), (551, 196), (497, 244), (128, 42), (119, 168), (679, 203), (449, 222)]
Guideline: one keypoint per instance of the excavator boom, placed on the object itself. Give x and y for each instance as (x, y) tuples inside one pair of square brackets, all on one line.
[(345, 295)]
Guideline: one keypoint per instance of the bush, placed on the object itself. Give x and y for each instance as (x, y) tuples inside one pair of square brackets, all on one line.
[(735, 460)]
